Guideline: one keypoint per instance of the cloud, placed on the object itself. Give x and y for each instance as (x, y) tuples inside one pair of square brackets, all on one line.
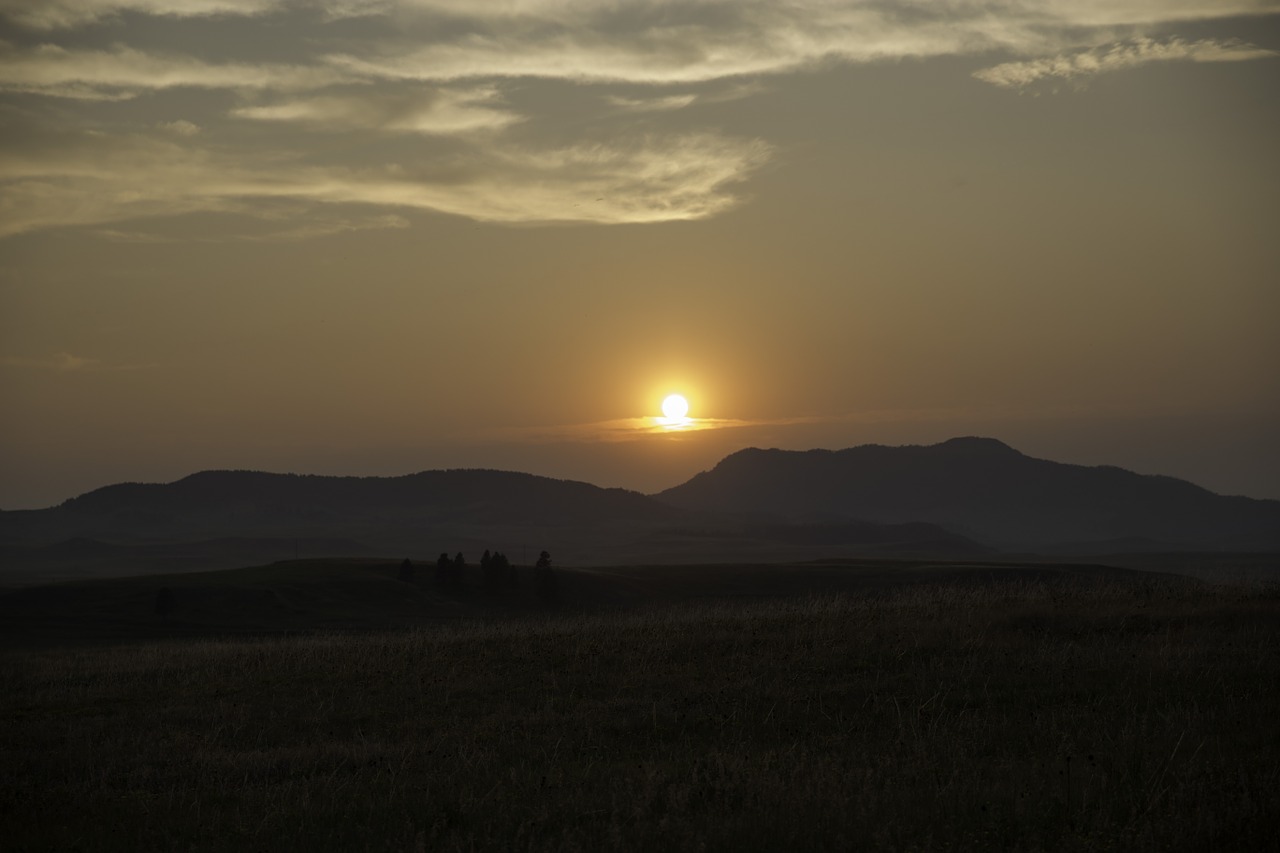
[(669, 55), (647, 105), (773, 429), (654, 42), (621, 429), (445, 104), (123, 72), (443, 112), (61, 14), (314, 224), (96, 179), (683, 100), (1118, 57), (181, 127), (669, 43)]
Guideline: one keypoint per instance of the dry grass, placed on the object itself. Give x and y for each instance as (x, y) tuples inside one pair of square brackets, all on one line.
[(1016, 716)]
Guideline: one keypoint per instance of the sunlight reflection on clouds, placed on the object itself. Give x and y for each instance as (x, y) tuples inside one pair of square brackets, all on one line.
[(446, 71)]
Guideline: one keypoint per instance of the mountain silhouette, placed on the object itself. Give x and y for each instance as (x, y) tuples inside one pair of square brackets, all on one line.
[(257, 497), (226, 519), (961, 499), (986, 490)]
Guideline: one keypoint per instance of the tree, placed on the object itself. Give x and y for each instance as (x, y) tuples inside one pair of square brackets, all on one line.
[(544, 580), (407, 571), (444, 572), (458, 578), (492, 572)]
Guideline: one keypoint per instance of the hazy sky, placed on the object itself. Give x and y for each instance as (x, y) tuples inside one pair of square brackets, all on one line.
[(380, 236)]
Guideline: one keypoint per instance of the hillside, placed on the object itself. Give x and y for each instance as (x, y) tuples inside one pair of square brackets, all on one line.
[(984, 489)]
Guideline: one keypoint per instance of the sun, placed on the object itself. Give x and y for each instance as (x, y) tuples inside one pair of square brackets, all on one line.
[(675, 407)]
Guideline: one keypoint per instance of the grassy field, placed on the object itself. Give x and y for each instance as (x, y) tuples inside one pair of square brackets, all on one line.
[(1018, 714)]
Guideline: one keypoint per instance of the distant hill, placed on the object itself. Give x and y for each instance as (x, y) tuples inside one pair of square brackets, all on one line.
[(986, 490), (227, 519), (472, 495)]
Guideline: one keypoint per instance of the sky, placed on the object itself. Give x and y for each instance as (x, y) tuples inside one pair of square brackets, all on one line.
[(375, 237)]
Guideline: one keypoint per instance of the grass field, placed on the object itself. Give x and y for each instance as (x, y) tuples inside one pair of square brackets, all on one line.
[(1069, 714)]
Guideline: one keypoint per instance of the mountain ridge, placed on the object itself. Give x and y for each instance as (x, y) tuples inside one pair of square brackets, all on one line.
[(960, 498), (227, 519), (982, 488)]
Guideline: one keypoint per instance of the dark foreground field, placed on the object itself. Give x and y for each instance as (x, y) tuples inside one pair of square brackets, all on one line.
[(1019, 715)]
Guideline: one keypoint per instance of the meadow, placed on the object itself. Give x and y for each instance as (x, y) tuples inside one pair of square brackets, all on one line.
[(1133, 713)]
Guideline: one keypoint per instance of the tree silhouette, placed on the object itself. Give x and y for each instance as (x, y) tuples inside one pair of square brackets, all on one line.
[(492, 572), (544, 580), (444, 572), (407, 572)]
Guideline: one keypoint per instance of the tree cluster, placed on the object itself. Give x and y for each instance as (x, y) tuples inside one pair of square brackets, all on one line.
[(497, 574), (496, 571), (450, 573)]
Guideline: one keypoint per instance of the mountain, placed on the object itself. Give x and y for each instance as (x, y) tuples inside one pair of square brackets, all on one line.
[(254, 498), (961, 499), (227, 519), (986, 490)]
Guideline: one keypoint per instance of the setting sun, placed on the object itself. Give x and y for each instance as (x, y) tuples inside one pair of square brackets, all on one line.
[(675, 407)]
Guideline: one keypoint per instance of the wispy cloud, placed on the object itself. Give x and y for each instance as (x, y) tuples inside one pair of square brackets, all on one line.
[(621, 429), (313, 225), (1118, 57), (445, 104), (779, 428), (60, 14), (179, 127), (646, 41), (646, 105), (442, 112), (124, 72), (665, 43), (649, 179)]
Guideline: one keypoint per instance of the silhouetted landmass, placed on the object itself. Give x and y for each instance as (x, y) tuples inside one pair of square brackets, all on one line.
[(227, 519), (985, 490), (252, 497), (962, 499)]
